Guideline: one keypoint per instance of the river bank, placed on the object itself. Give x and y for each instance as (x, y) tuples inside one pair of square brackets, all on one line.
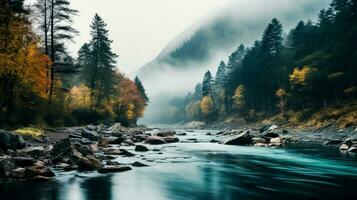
[(103, 148)]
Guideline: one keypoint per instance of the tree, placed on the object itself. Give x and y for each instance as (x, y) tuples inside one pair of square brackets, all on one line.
[(99, 69), (281, 94), (207, 107), (221, 75), (141, 88), (238, 98)]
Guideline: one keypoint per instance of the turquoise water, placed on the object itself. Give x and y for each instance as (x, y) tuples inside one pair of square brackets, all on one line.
[(203, 171)]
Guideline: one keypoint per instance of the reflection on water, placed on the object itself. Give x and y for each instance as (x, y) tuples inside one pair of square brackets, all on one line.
[(210, 171)]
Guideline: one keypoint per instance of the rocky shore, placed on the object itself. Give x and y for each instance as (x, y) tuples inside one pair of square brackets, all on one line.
[(96, 148)]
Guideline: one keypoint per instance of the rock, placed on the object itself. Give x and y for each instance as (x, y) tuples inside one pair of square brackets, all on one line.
[(241, 139), (181, 134), (276, 142), (89, 163), (115, 140), (85, 150), (285, 131), (109, 162), (141, 148), (213, 141), (264, 128), (7, 164), (166, 133), (9, 140), (75, 136), (24, 161), (344, 147), (91, 135), (64, 146), (139, 164), (103, 142), (261, 145), (128, 142), (271, 135), (124, 152), (91, 127), (18, 173), (208, 133), (61, 165), (40, 179), (257, 140), (333, 142), (155, 140), (39, 171), (33, 151), (111, 151), (352, 150), (113, 168), (171, 139), (272, 127)]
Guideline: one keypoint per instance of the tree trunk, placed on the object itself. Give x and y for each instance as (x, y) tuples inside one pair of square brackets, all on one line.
[(52, 77)]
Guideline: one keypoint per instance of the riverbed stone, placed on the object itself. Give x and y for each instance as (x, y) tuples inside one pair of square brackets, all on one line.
[(171, 139), (257, 140), (243, 138), (155, 140), (89, 163), (10, 140), (103, 142), (113, 168), (165, 133), (139, 164), (89, 134), (141, 148), (333, 142), (261, 145), (111, 151), (344, 147)]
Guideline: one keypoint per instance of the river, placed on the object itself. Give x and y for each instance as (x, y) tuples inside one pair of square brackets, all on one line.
[(200, 170)]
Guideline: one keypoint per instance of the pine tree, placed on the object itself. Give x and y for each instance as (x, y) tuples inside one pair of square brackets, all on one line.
[(207, 84), (221, 75), (141, 89), (272, 39), (99, 74)]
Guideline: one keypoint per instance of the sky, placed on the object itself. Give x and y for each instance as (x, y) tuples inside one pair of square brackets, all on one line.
[(140, 29)]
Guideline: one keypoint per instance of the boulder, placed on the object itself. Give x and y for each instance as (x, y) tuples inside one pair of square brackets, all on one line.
[(113, 168), (39, 171), (85, 150), (38, 179), (171, 139), (90, 134), (10, 140), (111, 151), (89, 163), (24, 161), (7, 164), (139, 138), (115, 140), (155, 140), (352, 150), (139, 164), (33, 151), (103, 142), (166, 133), (271, 135), (276, 142), (257, 140), (18, 173), (333, 142), (141, 148), (242, 139), (344, 147), (64, 147), (124, 152)]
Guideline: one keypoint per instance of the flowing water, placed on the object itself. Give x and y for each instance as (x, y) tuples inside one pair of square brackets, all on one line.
[(205, 171)]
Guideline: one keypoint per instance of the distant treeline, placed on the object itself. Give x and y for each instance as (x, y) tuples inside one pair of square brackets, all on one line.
[(41, 84), (314, 66)]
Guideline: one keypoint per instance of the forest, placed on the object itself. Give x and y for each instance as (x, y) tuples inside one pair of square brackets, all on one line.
[(42, 84), (291, 75)]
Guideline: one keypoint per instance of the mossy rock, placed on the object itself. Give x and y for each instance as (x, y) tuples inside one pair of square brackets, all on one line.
[(30, 132)]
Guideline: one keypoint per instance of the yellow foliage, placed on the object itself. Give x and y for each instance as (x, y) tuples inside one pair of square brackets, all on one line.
[(193, 110), (238, 97), (79, 96), (302, 76), (280, 93), (31, 132), (206, 105)]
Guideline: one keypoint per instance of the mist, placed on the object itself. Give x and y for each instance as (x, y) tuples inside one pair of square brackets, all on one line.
[(241, 22)]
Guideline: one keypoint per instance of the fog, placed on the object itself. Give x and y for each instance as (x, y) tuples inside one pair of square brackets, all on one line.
[(242, 21)]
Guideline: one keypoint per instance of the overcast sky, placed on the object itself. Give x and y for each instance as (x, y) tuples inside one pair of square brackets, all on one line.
[(140, 28)]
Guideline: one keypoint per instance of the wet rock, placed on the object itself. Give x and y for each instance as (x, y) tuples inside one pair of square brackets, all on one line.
[(141, 148), (9, 140), (18, 173), (89, 163), (113, 168), (115, 140), (261, 145), (208, 133), (171, 139), (333, 142), (128, 142), (271, 135), (181, 134), (64, 147), (257, 140), (344, 147), (213, 141), (75, 135), (166, 133), (103, 142), (109, 162), (38, 179), (285, 131), (353, 149), (85, 150), (242, 139), (139, 164), (39, 171), (111, 151), (276, 142), (124, 152), (33, 151), (155, 140), (7, 164), (24, 161), (91, 135)]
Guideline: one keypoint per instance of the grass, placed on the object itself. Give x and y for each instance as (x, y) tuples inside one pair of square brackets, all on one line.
[(30, 132)]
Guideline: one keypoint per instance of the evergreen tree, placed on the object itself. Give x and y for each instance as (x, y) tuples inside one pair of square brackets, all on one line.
[(141, 89), (207, 84), (221, 75)]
